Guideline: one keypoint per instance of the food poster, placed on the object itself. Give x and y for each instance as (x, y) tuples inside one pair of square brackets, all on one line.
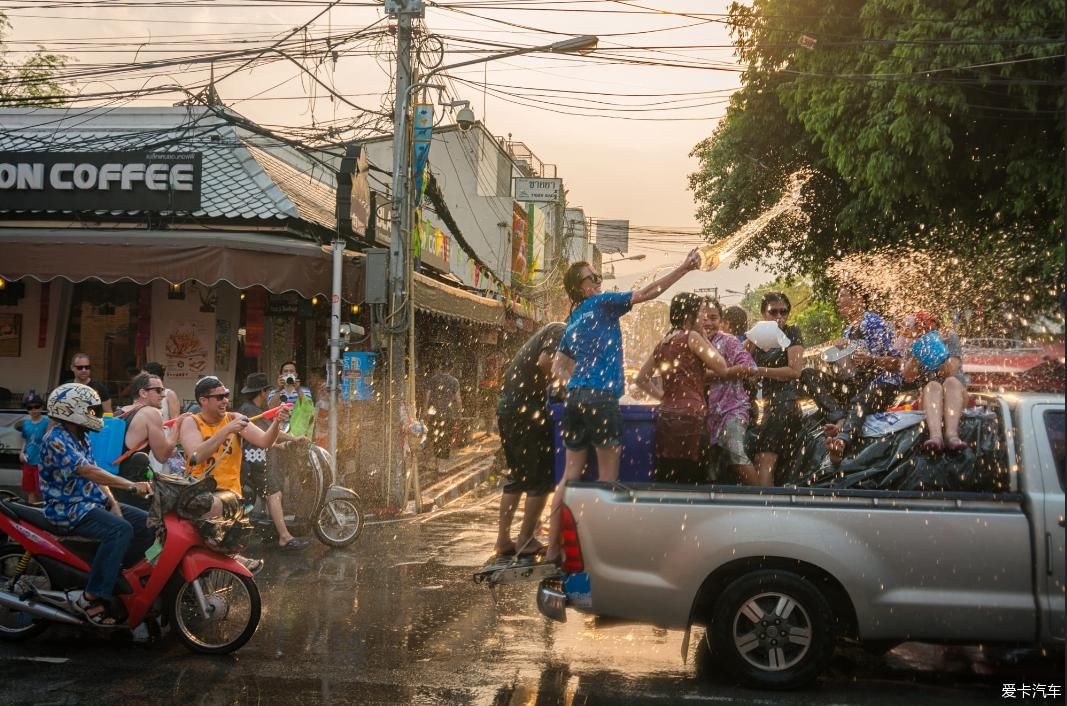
[(188, 347)]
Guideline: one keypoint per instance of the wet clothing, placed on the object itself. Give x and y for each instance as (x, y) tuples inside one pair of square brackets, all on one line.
[(31, 478), (524, 381), (732, 438), (523, 417), (591, 418), (727, 399), (877, 336), (227, 456), (68, 496), (680, 470), (780, 424), (681, 419), (593, 340), (526, 438)]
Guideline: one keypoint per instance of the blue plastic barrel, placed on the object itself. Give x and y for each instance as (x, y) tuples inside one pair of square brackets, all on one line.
[(638, 443)]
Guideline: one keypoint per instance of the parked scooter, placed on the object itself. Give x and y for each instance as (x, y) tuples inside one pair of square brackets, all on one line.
[(209, 599), (314, 498)]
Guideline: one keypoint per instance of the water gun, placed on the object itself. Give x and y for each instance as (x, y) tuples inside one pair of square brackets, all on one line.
[(269, 414)]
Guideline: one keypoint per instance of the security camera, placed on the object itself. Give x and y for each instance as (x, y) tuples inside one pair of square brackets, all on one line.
[(345, 330), (465, 119)]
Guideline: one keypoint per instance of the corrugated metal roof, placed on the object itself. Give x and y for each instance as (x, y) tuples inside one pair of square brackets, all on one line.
[(239, 180)]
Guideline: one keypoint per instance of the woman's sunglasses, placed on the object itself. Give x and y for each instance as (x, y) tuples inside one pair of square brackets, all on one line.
[(596, 279), (778, 312)]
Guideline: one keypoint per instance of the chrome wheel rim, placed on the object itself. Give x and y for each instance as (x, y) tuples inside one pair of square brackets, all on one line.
[(772, 631), (229, 609), (339, 519)]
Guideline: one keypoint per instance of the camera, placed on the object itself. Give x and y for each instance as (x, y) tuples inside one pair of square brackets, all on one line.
[(290, 379), (465, 119)]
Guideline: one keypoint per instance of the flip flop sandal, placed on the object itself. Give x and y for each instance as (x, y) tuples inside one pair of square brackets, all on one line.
[(95, 612)]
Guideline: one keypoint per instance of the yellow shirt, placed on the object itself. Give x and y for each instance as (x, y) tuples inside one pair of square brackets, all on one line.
[(227, 472)]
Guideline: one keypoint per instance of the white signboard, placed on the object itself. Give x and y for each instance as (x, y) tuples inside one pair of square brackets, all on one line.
[(532, 189)]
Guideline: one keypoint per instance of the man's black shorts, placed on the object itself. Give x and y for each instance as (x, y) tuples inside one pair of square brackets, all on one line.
[(526, 435)]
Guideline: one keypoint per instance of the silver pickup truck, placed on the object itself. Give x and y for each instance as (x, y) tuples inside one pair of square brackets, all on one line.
[(778, 575)]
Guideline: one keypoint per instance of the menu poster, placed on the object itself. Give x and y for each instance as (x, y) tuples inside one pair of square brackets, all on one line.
[(186, 349)]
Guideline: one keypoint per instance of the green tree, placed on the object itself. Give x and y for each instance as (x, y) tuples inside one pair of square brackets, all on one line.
[(930, 126), (34, 81)]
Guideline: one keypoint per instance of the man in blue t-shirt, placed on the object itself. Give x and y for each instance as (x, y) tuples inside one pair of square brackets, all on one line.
[(590, 359)]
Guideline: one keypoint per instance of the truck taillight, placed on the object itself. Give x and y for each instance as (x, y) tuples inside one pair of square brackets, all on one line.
[(568, 539)]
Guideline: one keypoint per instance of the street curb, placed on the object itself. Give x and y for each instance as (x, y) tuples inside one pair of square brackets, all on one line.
[(473, 474)]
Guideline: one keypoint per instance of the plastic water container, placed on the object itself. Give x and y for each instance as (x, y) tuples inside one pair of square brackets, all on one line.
[(638, 444), (930, 350), (107, 443)]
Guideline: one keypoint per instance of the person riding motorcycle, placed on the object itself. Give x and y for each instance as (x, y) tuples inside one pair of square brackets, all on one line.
[(79, 501)]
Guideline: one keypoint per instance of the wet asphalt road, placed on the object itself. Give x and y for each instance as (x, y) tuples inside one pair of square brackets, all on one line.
[(396, 619)]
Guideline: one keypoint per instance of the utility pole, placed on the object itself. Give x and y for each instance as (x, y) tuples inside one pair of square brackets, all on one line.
[(400, 290)]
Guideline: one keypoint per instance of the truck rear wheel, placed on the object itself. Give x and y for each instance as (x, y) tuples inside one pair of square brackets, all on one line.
[(773, 630)]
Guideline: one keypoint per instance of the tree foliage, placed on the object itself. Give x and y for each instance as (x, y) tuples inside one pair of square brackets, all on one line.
[(33, 81), (928, 125)]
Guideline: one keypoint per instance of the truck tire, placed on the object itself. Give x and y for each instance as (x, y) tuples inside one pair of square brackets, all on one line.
[(772, 629)]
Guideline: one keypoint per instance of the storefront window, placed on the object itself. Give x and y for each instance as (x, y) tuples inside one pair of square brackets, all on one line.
[(103, 324)]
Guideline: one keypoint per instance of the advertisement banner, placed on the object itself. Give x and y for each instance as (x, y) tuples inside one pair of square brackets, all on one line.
[(357, 376)]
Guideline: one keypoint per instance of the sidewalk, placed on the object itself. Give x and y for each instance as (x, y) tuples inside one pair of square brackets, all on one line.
[(463, 471)]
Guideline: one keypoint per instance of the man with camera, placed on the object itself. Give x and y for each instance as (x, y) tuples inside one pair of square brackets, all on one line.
[(289, 388)]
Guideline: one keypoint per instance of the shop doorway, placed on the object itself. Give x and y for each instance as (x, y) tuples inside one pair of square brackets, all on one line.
[(103, 324)]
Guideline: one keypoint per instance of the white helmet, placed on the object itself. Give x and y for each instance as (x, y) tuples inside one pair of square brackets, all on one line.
[(78, 404)]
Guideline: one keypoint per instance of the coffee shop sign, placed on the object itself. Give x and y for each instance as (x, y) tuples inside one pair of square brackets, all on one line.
[(538, 190), (100, 180)]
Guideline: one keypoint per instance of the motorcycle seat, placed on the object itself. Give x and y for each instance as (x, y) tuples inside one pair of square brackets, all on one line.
[(34, 516)]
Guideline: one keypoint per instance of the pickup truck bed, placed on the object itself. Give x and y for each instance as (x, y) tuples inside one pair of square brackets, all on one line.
[(778, 574)]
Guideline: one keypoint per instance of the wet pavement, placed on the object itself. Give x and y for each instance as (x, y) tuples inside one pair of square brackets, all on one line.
[(396, 619)]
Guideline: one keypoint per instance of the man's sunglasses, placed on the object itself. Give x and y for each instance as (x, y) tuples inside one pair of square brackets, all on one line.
[(82, 367), (596, 279), (778, 312), (35, 406), (219, 397), (159, 390)]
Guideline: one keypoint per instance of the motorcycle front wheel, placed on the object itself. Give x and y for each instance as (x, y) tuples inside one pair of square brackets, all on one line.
[(339, 522), (16, 624), (232, 616)]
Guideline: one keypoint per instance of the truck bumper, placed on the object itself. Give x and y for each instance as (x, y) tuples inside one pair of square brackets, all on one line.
[(556, 594), (551, 600)]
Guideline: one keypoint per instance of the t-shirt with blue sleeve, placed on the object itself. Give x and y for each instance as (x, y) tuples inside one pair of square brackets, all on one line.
[(68, 496), (593, 339)]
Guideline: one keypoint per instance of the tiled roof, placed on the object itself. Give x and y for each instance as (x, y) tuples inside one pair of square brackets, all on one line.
[(239, 180)]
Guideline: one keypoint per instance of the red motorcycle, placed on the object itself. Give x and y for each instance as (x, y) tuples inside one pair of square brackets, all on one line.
[(209, 599)]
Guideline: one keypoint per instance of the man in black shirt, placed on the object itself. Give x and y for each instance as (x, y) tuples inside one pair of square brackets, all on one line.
[(526, 435), (83, 373)]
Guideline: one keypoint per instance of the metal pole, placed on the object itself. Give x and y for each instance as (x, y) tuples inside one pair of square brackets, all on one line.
[(332, 374), (399, 256)]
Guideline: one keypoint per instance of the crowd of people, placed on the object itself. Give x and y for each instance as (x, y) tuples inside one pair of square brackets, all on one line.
[(244, 451), (729, 395)]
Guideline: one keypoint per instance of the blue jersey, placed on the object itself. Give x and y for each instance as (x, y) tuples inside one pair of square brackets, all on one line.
[(593, 339)]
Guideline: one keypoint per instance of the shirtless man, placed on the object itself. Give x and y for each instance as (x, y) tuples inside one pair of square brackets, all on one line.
[(144, 432)]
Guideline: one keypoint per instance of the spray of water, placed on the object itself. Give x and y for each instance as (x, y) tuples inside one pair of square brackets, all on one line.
[(791, 202)]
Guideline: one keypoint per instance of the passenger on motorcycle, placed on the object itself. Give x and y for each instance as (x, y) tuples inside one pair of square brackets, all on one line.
[(78, 499), (213, 437)]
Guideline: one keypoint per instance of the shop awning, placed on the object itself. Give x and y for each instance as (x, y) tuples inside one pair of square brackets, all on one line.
[(280, 263), (437, 298)]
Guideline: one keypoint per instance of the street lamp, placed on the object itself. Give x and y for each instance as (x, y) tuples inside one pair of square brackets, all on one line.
[(401, 288), (641, 256)]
